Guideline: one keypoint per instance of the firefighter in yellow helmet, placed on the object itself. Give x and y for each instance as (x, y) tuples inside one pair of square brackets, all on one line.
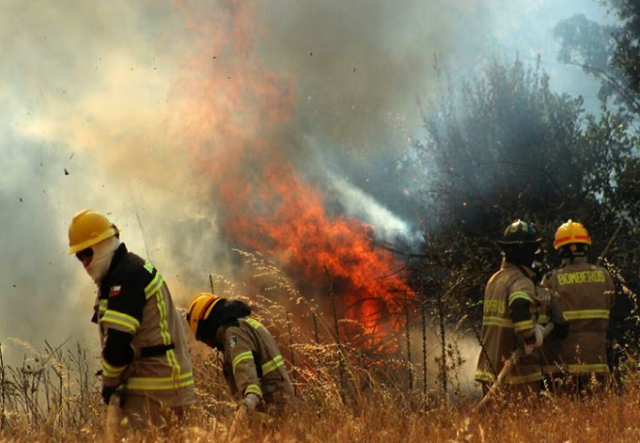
[(510, 313), (253, 367), (144, 350), (586, 293)]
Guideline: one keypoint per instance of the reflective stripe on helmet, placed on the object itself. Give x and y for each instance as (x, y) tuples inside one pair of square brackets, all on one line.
[(571, 232)]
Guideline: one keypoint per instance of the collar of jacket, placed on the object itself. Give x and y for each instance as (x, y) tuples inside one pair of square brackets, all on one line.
[(571, 260), (528, 272), (226, 313), (120, 253), (218, 338)]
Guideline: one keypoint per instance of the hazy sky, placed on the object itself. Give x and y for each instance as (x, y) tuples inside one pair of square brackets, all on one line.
[(128, 108)]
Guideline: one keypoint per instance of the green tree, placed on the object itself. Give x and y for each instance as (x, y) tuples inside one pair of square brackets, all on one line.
[(626, 54), (505, 146), (611, 52), (591, 45)]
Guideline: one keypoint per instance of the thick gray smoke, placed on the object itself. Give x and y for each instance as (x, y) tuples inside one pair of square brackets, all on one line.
[(89, 118), (360, 67)]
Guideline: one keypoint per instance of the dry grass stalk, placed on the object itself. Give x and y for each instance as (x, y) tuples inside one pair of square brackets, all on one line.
[(52, 396)]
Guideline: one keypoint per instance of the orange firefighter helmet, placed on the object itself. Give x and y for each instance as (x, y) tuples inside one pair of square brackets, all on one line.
[(89, 228), (571, 232)]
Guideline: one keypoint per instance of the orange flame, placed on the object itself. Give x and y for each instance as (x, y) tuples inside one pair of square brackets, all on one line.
[(238, 118)]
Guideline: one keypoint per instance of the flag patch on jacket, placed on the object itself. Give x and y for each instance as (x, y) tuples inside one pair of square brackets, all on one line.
[(233, 341), (115, 290)]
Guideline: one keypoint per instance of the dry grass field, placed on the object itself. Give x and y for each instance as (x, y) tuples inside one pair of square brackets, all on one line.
[(55, 398), (375, 414), (345, 394)]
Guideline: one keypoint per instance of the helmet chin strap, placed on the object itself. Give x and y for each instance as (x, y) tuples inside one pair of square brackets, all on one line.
[(102, 255)]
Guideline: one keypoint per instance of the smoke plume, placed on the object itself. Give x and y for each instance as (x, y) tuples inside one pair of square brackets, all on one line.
[(202, 126)]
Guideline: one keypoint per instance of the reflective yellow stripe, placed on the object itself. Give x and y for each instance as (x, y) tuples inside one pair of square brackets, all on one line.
[(111, 371), (522, 325), (488, 377), (497, 321), (520, 379), (485, 376), (519, 295), (587, 314), (552, 369), (253, 323), (162, 311), (247, 355), (581, 369), (121, 319), (272, 365), (543, 319), (154, 286), (102, 307), (253, 389), (158, 383)]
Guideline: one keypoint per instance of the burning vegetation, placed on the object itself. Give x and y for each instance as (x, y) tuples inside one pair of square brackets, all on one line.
[(243, 144), (375, 333)]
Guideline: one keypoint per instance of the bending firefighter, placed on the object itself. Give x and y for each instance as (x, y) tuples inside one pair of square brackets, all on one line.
[(586, 294), (253, 366), (144, 353), (510, 314)]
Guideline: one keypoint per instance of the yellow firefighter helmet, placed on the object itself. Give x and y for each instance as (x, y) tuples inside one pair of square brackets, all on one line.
[(571, 232), (200, 309), (88, 228)]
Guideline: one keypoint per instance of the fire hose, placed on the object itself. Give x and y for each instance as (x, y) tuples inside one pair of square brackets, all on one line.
[(506, 370)]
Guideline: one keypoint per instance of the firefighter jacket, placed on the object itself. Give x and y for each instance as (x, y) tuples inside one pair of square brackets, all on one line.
[(586, 294), (144, 344), (253, 364), (550, 311), (510, 309)]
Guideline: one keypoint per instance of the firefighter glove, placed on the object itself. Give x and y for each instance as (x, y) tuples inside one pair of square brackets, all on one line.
[(250, 402), (107, 392), (535, 340)]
